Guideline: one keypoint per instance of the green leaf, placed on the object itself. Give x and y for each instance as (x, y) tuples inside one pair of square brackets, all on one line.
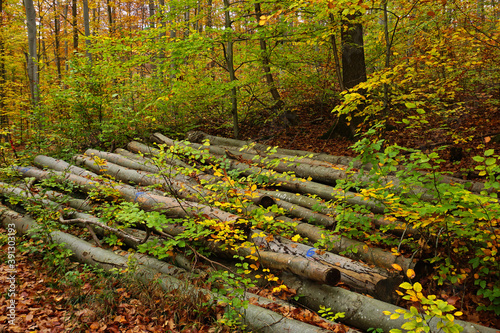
[(490, 161), (489, 152), (406, 285), (410, 105)]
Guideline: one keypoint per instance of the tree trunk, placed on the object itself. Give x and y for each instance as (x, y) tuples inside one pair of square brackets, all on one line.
[(335, 51), (353, 72), (32, 60), (74, 13), (57, 42), (110, 17), (86, 23), (266, 65), (4, 120)]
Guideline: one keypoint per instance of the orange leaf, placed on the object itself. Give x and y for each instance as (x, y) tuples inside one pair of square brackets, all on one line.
[(487, 139), (396, 267)]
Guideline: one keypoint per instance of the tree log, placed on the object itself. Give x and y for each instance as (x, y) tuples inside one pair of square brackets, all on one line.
[(372, 255), (361, 311), (146, 200), (333, 172), (360, 277), (327, 217), (198, 137), (179, 185), (254, 316), (287, 182)]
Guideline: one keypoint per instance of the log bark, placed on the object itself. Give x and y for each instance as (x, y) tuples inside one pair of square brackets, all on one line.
[(286, 182), (60, 165), (198, 137), (361, 311), (307, 269), (146, 200), (327, 217), (363, 252), (180, 185), (358, 276), (145, 165)]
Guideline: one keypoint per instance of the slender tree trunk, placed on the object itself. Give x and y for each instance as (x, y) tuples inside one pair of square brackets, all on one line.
[(173, 35), (266, 65), (74, 14), (86, 23), (163, 34), (387, 55), (32, 57), (151, 5), (57, 39), (209, 14), (229, 55), (335, 51), (66, 48), (187, 18), (110, 17), (3, 116)]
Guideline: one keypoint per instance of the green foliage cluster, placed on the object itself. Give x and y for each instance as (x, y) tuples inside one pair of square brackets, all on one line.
[(432, 308), (453, 229)]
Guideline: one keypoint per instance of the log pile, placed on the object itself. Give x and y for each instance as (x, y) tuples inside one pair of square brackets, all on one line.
[(163, 180)]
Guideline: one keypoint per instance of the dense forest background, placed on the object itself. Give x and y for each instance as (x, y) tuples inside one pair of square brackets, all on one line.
[(98, 73), (410, 87)]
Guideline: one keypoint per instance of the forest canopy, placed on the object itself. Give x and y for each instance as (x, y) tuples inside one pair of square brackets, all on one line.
[(96, 73)]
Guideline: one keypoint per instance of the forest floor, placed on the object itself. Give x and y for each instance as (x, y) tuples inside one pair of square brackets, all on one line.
[(51, 302)]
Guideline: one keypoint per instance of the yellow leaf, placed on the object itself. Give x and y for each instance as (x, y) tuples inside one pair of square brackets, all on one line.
[(254, 187), (296, 238), (406, 285), (396, 267), (410, 273), (417, 287), (387, 313)]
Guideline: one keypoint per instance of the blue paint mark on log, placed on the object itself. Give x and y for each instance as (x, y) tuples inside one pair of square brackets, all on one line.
[(311, 252), (138, 194)]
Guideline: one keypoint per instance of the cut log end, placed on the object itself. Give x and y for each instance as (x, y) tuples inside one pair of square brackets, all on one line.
[(332, 277), (385, 290), (266, 201)]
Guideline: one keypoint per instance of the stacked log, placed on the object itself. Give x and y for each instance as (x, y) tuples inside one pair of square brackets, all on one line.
[(367, 270)]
